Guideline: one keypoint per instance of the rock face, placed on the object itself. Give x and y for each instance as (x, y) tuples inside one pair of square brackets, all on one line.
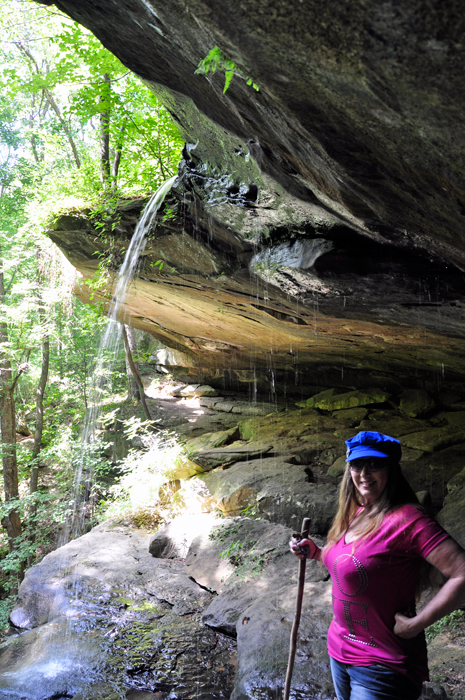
[(118, 629), (319, 221), (119, 612), (451, 516), (257, 603), (101, 617)]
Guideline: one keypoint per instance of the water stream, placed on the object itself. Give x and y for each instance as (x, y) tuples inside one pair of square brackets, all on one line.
[(108, 351)]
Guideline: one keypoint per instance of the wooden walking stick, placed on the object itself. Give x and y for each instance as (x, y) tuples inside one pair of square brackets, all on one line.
[(298, 610)]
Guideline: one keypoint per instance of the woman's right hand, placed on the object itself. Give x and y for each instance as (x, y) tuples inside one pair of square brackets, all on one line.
[(304, 549)]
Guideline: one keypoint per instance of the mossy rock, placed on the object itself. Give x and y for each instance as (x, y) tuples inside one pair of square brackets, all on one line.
[(345, 433), (321, 441), (248, 428), (338, 468), (455, 419), (328, 401), (434, 470), (350, 417), (211, 441), (415, 403), (434, 439), (329, 457), (393, 425), (313, 400), (184, 469), (101, 691)]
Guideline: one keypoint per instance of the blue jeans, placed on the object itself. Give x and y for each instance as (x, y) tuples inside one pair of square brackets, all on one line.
[(375, 682)]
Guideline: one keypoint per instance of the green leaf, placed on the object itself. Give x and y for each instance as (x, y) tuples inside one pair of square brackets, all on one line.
[(228, 76)]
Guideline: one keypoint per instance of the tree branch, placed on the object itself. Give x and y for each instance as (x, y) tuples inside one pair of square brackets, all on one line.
[(53, 104)]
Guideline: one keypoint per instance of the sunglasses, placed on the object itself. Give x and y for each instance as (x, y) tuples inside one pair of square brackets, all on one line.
[(371, 465)]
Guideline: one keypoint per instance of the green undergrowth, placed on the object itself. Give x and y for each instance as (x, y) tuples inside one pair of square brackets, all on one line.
[(6, 606), (149, 490), (240, 549), (454, 621)]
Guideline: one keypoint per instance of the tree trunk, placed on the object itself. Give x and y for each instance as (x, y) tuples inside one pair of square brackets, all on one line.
[(12, 521), (40, 389), (105, 167), (63, 123), (34, 479), (117, 157), (133, 389), (39, 414), (135, 373)]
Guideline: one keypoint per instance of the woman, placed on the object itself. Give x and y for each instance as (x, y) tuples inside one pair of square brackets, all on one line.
[(375, 553)]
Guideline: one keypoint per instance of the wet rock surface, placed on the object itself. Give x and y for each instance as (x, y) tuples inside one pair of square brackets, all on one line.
[(124, 621), (154, 623)]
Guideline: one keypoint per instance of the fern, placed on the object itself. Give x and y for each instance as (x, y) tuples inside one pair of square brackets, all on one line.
[(216, 60)]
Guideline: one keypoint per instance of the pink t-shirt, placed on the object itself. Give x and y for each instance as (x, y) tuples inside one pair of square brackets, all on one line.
[(373, 583)]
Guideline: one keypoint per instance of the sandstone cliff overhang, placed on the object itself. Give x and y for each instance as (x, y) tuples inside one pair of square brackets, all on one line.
[(358, 129)]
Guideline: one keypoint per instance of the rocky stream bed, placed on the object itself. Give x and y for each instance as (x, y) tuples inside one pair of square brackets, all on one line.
[(203, 608)]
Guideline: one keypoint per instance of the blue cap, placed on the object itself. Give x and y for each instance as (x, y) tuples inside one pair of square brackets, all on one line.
[(371, 444)]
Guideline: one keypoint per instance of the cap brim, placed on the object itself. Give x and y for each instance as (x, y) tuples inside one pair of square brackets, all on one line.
[(364, 451)]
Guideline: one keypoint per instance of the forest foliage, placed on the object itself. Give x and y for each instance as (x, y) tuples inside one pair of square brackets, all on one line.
[(77, 129)]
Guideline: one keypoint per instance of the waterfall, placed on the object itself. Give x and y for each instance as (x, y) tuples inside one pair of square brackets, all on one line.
[(108, 349)]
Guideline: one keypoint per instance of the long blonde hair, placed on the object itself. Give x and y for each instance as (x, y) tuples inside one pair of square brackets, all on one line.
[(398, 492)]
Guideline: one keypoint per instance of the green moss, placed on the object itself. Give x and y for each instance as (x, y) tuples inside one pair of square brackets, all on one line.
[(453, 621), (248, 429)]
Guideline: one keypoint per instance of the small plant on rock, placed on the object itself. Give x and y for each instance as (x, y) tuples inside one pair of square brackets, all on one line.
[(216, 60)]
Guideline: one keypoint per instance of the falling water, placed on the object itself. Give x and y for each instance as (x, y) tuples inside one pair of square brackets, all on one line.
[(109, 345)]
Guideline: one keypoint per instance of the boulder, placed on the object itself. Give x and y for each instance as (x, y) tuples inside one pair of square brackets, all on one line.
[(433, 439), (329, 457), (328, 401), (281, 427), (350, 417), (173, 540), (257, 604), (344, 434), (424, 498), (432, 471), (109, 620), (209, 441), (284, 493), (197, 391), (409, 455), (455, 419), (391, 424), (236, 452), (451, 517), (263, 633), (313, 400), (338, 468), (415, 403), (237, 558), (317, 442), (184, 468)]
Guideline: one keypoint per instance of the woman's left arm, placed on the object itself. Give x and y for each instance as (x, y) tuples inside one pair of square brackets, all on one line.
[(449, 558)]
